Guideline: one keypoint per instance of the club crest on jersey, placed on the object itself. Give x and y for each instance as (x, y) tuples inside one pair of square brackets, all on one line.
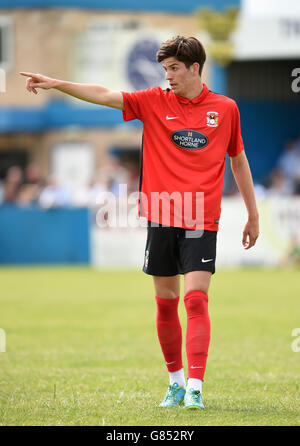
[(212, 119), (189, 139)]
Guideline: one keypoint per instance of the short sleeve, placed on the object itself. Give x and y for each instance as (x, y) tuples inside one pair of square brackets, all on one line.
[(138, 103), (133, 105), (236, 144)]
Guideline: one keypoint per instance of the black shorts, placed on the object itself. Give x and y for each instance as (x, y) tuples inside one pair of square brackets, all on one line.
[(171, 251)]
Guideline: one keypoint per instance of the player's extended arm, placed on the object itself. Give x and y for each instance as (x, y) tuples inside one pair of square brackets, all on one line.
[(242, 174), (87, 92)]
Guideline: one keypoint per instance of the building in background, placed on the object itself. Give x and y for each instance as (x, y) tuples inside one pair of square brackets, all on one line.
[(114, 44), (267, 51), (72, 150), (66, 137)]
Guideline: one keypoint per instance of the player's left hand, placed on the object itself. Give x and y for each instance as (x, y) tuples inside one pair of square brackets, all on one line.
[(251, 232)]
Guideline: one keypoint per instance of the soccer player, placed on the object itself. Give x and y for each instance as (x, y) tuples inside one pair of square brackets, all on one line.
[(187, 132)]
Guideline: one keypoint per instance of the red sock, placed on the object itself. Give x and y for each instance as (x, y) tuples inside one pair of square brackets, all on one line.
[(169, 332), (197, 333)]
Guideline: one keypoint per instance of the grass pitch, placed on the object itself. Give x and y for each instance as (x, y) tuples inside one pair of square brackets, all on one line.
[(82, 349)]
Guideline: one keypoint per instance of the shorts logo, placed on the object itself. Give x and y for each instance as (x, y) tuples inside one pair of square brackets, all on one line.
[(212, 119), (146, 259), (189, 139)]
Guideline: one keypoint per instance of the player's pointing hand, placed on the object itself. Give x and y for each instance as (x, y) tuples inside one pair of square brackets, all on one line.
[(35, 81)]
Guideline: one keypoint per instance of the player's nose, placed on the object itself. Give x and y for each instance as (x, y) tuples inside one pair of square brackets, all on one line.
[(168, 76)]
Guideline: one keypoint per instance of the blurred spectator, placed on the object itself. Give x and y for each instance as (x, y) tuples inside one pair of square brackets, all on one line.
[(33, 174), (12, 184), (54, 195), (1, 192), (31, 188), (260, 190), (288, 158), (99, 186), (133, 177), (91, 195), (114, 172), (289, 165), (280, 184), (28, 195), (292, 257), (294, 251), (80, 197)]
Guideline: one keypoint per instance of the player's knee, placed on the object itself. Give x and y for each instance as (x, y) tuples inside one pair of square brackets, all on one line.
[(166, 293), (196, 302), (167, 287)]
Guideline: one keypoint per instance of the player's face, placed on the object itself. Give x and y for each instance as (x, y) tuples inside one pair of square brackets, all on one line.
[(180, 78)]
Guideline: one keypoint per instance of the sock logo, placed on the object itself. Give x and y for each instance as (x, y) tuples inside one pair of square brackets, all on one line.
[(196, 367)]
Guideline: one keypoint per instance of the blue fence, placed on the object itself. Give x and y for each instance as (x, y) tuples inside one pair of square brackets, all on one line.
[(34, 236), (266, 127), (186, 6)]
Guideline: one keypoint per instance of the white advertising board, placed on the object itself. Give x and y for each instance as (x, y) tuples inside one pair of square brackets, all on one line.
[(267, 38), (268, 29), (279, 224)]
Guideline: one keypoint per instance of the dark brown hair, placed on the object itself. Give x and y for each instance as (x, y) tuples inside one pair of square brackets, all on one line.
[(185, 49)]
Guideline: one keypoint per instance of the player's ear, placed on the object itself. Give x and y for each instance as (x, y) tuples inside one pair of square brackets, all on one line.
[(195, 68)]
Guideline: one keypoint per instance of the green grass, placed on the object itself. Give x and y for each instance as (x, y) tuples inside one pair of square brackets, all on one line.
[(81, 349)]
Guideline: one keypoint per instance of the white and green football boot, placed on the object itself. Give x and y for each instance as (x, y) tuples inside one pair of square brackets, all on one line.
[(193, 399), (174, 396)]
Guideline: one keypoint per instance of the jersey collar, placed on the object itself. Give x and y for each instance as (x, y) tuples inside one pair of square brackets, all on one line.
[(196, 100)]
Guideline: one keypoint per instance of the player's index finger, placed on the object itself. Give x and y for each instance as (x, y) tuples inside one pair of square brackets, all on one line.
[(24, 73)]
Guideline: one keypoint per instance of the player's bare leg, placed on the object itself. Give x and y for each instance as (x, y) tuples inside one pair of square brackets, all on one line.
[(197, 280), (167, 287), (196, 285)]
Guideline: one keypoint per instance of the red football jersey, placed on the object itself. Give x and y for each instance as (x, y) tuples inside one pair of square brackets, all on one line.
[(183, 155)]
